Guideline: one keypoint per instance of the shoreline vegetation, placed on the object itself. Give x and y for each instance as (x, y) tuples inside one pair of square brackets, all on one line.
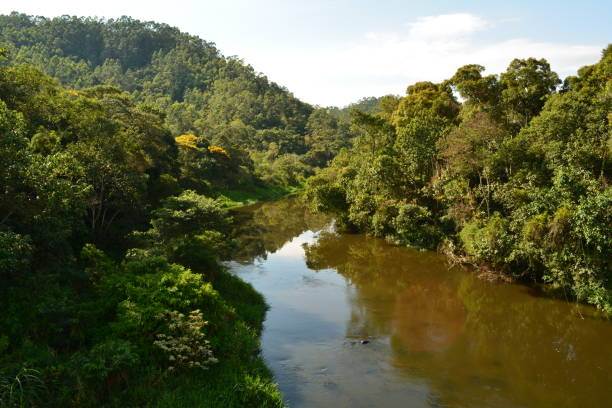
[(514, 179), (123, 144)]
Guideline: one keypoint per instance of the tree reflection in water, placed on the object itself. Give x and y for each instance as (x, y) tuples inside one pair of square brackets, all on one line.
[(428, 316), (473, 343), (264, 228)]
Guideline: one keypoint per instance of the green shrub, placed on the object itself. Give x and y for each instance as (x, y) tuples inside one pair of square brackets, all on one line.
[(111, 358), (15, 254), (415, 226), (488, 240)]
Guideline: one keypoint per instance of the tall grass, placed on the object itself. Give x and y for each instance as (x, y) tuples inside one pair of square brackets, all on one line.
[(21, 389)]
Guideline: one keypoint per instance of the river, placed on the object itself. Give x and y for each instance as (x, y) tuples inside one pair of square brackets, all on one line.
[(355, 322)]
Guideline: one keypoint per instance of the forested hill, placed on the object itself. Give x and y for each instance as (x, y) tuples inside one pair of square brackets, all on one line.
[(121, 145), (222, 101), (368, 104)]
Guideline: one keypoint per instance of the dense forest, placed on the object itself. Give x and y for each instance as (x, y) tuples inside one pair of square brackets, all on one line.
[(270, 136), (123, 143), (507, 172)]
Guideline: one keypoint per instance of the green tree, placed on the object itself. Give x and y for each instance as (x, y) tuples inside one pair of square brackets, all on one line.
[(525, 86)]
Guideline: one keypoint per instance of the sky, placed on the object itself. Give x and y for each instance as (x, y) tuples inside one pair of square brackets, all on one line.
[(334, 52)]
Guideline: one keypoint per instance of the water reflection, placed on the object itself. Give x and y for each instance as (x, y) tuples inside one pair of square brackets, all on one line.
[(437, 337), (264, 228), (428, 316)]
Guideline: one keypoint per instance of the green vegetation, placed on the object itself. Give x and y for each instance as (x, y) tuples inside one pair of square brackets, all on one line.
[(123, 143), (114, 187), (514, 178), (368, 104), (235, 128), (111, 289)]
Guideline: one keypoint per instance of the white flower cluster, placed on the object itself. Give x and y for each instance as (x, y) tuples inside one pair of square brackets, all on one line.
[(185, 345)]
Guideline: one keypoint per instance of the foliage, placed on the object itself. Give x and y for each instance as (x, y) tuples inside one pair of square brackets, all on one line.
[(15, 254), (219, 150), (414, 226), (205, 100), (510, 176), (99, 233), (107, 359), (22, 389), (187, 141), (185, 345), (122, 141)]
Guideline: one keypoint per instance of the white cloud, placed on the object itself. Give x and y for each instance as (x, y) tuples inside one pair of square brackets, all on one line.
[(446, 26), (431, 48)]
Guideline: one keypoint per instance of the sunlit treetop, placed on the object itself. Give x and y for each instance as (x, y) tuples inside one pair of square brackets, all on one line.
[(189, 141), (218, 150)]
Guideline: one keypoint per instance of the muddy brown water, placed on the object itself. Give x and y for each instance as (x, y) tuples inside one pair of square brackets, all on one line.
[(355, 322)]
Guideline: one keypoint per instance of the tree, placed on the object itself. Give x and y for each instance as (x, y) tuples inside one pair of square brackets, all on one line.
[(116, 187), (425, 96), (479, 93), (525, 86)]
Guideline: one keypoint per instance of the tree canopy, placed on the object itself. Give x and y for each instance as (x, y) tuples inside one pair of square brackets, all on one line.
[(513, 178)]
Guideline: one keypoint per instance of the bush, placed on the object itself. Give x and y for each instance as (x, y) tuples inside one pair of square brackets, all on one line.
[(187, 214), (15, 254), (415, 226), (108, 361), (488, 240), (184, 342)]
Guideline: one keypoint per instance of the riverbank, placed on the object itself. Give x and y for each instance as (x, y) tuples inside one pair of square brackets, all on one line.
[(163, 324), (240, 378), (232, 198), (432, 335)]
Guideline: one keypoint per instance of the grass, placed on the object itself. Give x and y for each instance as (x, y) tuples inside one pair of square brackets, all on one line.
[(231, 383)]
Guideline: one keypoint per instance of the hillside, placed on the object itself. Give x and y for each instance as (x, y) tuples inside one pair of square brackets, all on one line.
[(121, 145), (271, 136)]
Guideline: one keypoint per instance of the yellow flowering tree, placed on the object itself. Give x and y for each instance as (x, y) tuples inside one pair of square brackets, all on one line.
[(219, 150), (189, 141)]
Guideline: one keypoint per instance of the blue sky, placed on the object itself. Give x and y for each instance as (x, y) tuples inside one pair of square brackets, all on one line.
[(334, 52)]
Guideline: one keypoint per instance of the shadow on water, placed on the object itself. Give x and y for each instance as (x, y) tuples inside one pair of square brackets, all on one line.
[(435, 337)]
